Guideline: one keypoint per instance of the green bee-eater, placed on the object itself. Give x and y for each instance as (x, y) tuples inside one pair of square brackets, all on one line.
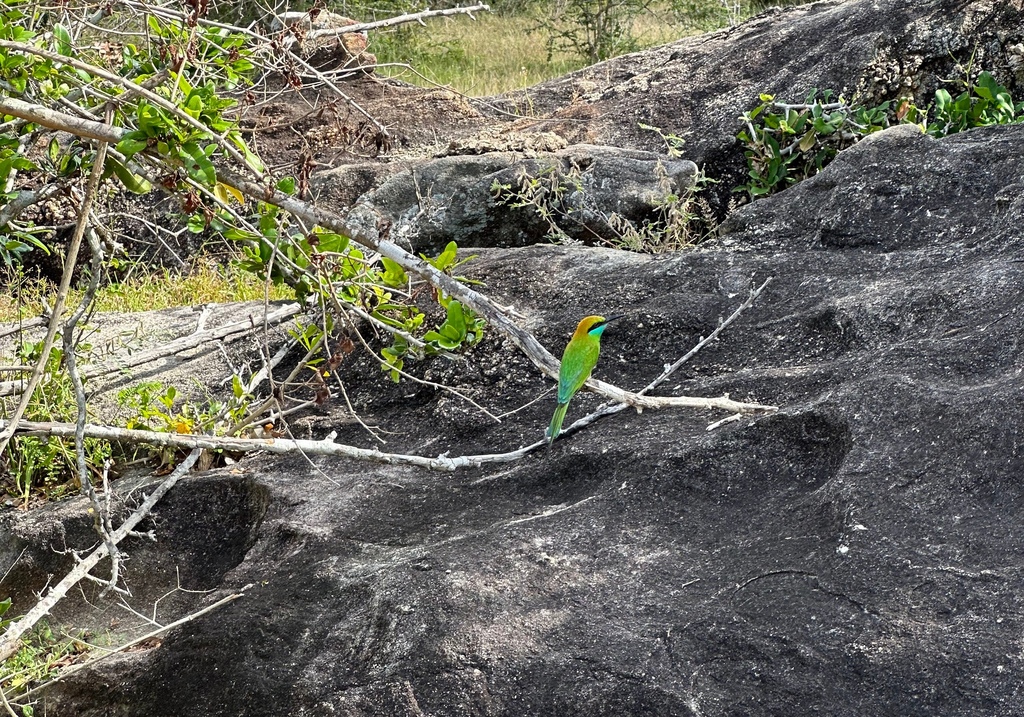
[(578, 361)]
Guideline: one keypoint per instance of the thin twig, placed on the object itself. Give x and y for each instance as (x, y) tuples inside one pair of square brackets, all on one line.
[(7, 705), (290, 17), (11, 639), (139, 640)]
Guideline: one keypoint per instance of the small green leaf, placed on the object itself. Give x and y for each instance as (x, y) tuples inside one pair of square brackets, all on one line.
[(197, 224), (132, 182), (446, 258), (63, 38), (394, 275), (132, 143), (331, 242)]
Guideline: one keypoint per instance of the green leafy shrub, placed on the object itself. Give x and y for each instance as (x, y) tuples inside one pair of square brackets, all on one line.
[(786, 143), (982, 103)]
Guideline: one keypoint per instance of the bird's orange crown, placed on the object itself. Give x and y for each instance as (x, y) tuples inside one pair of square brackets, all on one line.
[(586, 324)]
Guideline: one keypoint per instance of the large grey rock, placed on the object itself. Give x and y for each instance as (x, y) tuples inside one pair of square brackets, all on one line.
[(453, 198), (856, 553), (695, 89)]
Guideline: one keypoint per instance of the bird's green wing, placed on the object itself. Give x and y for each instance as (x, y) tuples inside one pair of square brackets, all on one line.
[(578, 361)]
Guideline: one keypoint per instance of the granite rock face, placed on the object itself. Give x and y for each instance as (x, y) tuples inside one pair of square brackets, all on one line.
[(472, 199), (697, 88), (855, 553), (694, 89)]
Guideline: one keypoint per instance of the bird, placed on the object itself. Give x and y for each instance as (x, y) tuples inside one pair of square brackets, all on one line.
[(578, 361)]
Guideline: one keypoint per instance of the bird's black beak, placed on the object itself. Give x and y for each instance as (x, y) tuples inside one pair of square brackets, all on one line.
[(614, 318)]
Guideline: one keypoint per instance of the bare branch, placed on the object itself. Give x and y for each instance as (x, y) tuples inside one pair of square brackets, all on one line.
[(290, 17), (325, 447), (227, 332), (62, 293), (725, 403), (102, 513), (139, 640), (10, 640)]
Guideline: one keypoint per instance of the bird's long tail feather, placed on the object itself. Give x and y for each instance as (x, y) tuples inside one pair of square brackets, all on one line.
[(556, 422)]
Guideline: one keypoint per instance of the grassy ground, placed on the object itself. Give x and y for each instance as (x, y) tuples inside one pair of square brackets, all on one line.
[(206, 282), (492, 54)]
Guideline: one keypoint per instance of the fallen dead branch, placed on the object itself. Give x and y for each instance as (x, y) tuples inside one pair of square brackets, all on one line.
[(11, 639), (230, 331), (288, 18), (22, 699), (323, 447)]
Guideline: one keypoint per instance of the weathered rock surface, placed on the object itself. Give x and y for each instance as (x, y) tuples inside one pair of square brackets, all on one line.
[(857, 553), (453, 198), (695, 89)]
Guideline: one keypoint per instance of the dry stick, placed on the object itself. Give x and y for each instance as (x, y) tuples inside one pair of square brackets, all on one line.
[(102, 516), (228, 331), (480, 303), (399, 20), (10, 640), (7, 705), (20, 700), (326, 446)]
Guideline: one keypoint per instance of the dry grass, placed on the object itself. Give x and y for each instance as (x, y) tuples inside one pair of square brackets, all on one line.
[(485, 57), (206, 282), (493, 54)]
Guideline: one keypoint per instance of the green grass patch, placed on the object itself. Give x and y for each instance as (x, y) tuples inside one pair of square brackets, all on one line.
[(205, 282), (493, 54), (41, 658)]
